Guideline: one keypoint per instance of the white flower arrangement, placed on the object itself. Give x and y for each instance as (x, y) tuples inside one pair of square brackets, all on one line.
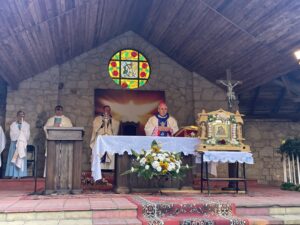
[(156, 162)]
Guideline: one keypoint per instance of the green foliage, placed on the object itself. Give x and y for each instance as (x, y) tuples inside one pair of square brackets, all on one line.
[(212, 118), (290, 187), (290, 146)]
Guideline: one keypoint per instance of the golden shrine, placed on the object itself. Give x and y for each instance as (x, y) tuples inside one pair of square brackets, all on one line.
[(221, 130)]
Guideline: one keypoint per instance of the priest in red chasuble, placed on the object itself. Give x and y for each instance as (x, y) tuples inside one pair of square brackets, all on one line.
[(161, 124)]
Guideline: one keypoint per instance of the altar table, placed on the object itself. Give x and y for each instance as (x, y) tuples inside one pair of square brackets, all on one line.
[(124, 144)]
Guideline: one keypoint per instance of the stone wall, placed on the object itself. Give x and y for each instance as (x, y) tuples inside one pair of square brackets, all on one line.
[(207, 95), (264, 137)]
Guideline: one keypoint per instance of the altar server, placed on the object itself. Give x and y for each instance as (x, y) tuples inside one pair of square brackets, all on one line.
[(16, 166)]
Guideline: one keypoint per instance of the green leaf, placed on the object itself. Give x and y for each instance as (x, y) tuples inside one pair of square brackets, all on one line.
[(154, 143), (134, 153), (126, 172)]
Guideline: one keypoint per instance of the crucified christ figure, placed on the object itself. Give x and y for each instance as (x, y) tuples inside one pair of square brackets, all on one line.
[(230, 84)]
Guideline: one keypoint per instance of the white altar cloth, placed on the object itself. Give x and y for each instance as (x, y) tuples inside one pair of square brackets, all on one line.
[(215, 157), (121, 144), (228, 157)]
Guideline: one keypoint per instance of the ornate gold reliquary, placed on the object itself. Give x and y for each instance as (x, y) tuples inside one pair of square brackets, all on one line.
[(221, 131)]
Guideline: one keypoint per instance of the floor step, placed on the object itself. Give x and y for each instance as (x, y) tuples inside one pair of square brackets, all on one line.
[(252, 211), (264, 220), (270, 220), (126, 213), (267, 211), (32, 216), (285, 211), (270, 215), (117, 221), (289, 219), (49, 222), (104, 216)]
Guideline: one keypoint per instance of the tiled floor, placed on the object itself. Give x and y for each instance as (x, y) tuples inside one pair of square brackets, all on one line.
[(109, 208), (14, 198)]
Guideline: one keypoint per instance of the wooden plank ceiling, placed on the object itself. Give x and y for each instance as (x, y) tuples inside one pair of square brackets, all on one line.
[(278, 99), (254, 38)]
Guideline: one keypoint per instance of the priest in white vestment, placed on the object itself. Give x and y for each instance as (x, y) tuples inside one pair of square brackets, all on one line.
[(161, 124), (2, 142), (104, 124), (58, 120), (16, 165)]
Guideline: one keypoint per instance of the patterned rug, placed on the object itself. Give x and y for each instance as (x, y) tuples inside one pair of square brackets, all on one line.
[(162, 210)]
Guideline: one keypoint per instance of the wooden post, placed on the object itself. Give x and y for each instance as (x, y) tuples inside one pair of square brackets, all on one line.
[(50, 171), (298, 169), (294, 169), (122, 182), (290, 174), (76, 183), (284, 168)]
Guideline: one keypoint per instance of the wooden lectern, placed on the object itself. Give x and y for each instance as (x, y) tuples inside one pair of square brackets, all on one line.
[(64, 150)]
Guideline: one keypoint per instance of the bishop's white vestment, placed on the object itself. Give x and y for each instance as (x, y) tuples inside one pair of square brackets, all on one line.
[(151, 127)]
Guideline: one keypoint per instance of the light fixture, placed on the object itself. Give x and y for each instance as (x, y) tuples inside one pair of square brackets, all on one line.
[(297, 55)]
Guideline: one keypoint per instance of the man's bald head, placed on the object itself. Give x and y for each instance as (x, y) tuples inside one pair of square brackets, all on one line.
[(162, 109)]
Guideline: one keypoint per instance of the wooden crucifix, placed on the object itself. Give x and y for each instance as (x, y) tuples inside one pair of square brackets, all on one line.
[(230, 84)]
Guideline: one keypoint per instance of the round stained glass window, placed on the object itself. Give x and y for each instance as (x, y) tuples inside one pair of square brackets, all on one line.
[(129, 69)]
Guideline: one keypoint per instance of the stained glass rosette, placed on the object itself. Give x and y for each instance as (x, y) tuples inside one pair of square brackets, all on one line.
[(129, 69)]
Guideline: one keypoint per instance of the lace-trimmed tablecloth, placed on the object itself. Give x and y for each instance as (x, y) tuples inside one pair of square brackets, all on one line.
[(121, 144), (231, 157)]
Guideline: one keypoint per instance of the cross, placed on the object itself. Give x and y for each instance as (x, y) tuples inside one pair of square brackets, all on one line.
[(230, 84)]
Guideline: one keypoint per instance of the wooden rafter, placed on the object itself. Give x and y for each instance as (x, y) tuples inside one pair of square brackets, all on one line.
[(254, 101), (279, 101)]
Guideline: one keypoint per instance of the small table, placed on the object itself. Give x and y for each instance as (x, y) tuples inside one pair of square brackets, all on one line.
[(225, 157)]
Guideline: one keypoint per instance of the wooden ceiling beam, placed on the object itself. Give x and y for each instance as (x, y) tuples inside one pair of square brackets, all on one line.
[(279, 101), (261, 78), (12, 84), (254, 101), (298, 109)]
